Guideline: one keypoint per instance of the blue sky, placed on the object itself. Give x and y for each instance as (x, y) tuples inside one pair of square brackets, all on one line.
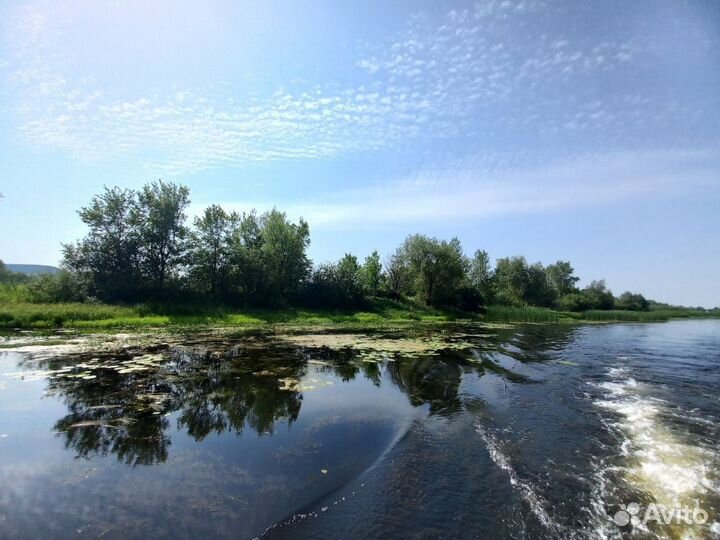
[(587, 131)]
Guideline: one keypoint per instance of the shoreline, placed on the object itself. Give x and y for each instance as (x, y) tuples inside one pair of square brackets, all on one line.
[(379, 314)]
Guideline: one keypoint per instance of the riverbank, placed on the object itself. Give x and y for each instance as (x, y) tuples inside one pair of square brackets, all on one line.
[(378, 313)]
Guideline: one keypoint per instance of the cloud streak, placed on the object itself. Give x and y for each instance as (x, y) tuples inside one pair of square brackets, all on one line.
[(472, 193)]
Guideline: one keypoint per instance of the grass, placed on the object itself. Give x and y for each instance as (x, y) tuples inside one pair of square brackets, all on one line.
[(99, 316), (13, 293), (525, 314), (25, 315), (642, 316)]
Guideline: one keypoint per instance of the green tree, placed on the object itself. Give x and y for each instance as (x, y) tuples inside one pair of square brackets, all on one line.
[(518, 282), (247, 267), (397, 271), (161, 206), (210, 248), (538, 291), (480, 276), (110, 253), (335, 284), (284, 246), (632, 302), (575, 301), (511, 279), (349, 276), (437, 268), (372, 273), (561, 278), (598, 295), (8, 276), (61, 287)]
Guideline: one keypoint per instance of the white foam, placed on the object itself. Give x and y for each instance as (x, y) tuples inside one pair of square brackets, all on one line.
[(672, 470), (534, 501)]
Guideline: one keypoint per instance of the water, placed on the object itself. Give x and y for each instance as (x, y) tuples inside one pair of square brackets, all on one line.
[(534, 431)]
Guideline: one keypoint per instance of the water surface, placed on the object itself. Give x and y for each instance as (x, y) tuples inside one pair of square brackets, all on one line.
[(528, 431)]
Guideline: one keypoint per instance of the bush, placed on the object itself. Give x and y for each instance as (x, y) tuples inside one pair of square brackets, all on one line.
[(334, 285), (632, 302), (573, 302), (61, 287), (469, 299)]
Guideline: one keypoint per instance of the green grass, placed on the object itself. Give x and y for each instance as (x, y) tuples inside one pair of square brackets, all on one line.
[(25, 315), (22, 315), (11, 293), (100, 316), (523, 314), (641, 316)]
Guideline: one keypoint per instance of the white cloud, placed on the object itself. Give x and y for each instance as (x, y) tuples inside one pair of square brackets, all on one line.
[(472, 192), (435, 80)]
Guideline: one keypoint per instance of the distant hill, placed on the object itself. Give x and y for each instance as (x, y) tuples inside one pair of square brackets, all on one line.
[(32, 269)]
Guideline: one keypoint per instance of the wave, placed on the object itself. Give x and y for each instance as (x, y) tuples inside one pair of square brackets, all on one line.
[(326, 502), (535, 502), (661, 461)]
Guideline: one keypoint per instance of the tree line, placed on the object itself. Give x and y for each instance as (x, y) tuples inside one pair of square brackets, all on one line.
[(139, 247)]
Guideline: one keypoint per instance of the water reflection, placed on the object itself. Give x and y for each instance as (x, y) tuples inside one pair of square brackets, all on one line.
[(429, 380), (125, 403)]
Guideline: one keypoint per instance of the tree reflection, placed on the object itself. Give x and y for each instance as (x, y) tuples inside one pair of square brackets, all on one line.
[(429, 380), (221, 387), (136, 441), (126, 414)]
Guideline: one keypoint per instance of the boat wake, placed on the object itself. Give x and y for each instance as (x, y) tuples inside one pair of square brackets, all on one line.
[(538, 506), (338, 496), (661, 460)]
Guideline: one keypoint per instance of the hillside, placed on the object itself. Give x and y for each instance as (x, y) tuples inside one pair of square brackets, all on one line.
[(32, 269)]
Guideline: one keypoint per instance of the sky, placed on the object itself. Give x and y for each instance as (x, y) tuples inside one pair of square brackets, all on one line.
[(582, 131)]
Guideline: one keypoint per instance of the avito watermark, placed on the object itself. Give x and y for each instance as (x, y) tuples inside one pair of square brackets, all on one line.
[(633, 514)]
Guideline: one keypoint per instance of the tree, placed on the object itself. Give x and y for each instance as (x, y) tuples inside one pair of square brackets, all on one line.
[(519, 283), (284, 246), (8, 276), (632, 302), (397, 271), (560, 276), (61, 287), (538, 292), (372, 274), (480, 276), (437, 268), (109, 254), (210, 248), (335, 284), (349, 277), (511, 279), (598, 295), (161, 208), (573, 302), (247, 268)]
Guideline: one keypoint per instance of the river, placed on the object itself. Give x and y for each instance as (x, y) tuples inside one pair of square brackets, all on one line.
[(457, 431)]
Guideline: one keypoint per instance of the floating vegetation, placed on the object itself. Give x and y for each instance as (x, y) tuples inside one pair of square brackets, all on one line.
[(297, 385), (375, 349), (288, 384), (89, 370), (318, 363), (39, 347), (115, 423)]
